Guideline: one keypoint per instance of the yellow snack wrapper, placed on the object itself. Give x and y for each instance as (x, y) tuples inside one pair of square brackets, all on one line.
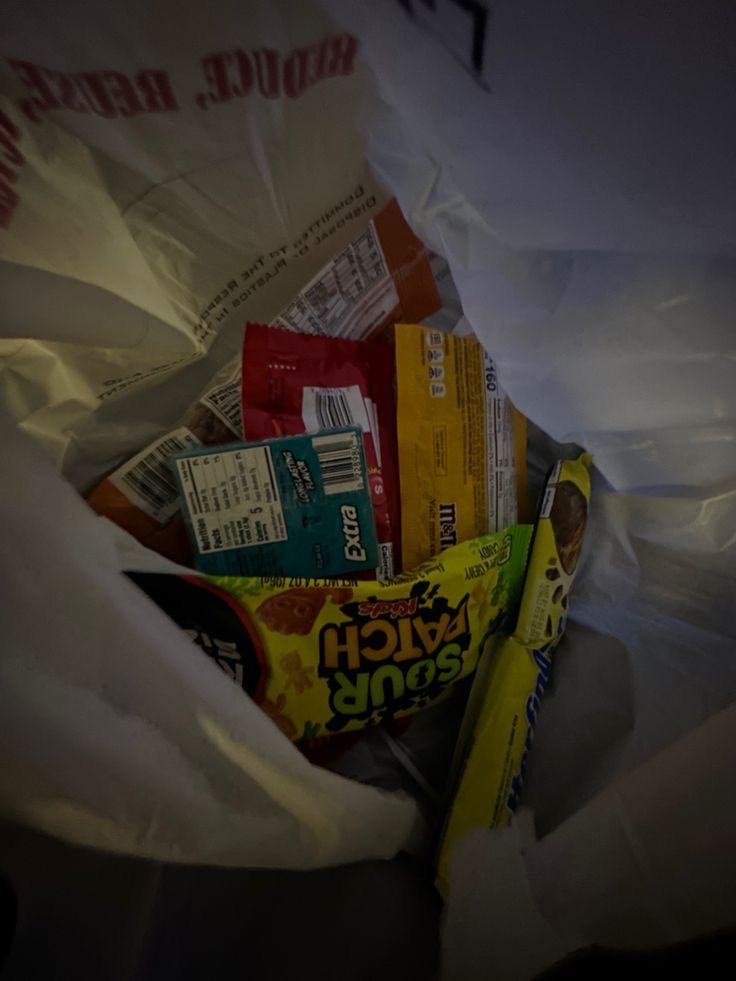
[(504, 704), (462, 445), (326, 656)]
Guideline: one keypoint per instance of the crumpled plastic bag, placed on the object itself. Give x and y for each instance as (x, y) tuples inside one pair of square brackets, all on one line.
[(590, 235), (117, 733), (574, 168)]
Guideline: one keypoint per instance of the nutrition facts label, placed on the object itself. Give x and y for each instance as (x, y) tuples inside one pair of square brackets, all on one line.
[(501, 463), (350, 296), (233, 499)]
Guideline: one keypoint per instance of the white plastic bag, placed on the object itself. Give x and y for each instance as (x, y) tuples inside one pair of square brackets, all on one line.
[(116, 732), (585, 209), (134, 249), (573, 164)]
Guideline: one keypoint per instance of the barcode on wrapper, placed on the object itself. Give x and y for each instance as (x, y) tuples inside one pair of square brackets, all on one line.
[(334, 408), (339, 459), (225, 401), (147, 479)]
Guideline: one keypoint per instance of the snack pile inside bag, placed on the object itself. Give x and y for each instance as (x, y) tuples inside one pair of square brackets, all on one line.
[(349, 498)]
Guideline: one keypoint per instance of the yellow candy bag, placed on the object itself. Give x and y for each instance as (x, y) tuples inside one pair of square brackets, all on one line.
[(326, 656), (504, 703), (462, 445)]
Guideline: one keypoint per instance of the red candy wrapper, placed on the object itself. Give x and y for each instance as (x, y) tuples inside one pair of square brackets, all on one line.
[(296, 383)]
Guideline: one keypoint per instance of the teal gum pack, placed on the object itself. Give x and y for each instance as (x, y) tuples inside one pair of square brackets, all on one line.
[(294, 506)]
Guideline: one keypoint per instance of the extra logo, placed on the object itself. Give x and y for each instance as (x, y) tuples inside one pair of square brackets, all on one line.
[(391, 655), (353, 549)]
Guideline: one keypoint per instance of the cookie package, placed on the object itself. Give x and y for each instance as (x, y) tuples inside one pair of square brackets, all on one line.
[(462, 445), (504, 702), (322, 657)]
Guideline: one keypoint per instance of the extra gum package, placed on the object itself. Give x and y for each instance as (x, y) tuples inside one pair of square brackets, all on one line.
[(297, 506), (504, 703), (296, 383), (462, 445), (142, 495), (322, 657)]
